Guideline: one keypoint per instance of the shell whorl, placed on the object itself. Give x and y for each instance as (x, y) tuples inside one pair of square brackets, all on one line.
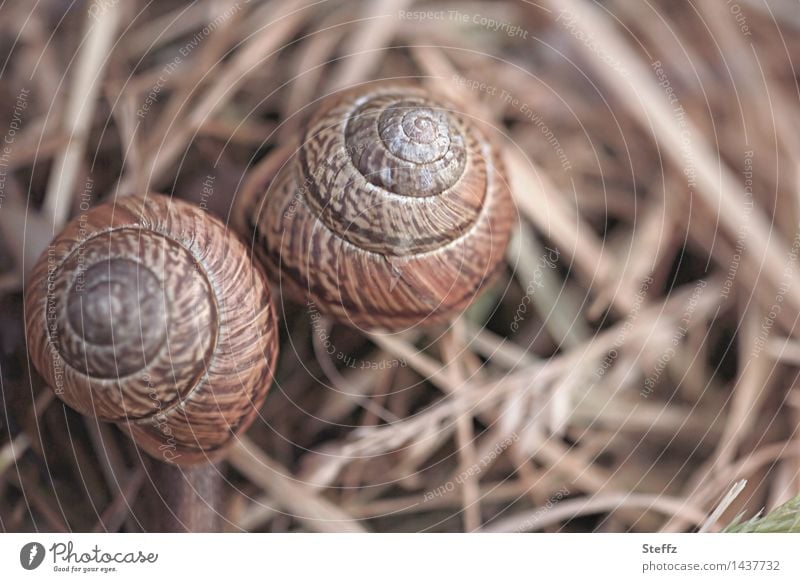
[(149, 313), (112, 297), (391, 172), (392, 212)]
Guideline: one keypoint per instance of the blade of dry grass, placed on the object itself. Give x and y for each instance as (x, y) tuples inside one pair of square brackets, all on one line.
[(717, 187), (315, 512), (86, 82), (572, 508)]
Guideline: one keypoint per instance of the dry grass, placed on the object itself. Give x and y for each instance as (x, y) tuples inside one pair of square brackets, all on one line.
[(654, 156)]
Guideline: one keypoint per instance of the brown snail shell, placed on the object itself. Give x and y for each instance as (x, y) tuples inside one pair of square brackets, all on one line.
[(151, 314), (392, 211)]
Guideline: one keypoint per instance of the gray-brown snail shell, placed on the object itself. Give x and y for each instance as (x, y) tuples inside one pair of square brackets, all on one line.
[(149, 313), (391, 211)]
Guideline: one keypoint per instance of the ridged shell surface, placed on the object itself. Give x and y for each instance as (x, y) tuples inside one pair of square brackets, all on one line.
[(392, 212), (150, 313)]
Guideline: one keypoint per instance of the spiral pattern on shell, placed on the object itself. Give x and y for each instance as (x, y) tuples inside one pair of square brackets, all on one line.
[(151, 314), (392, 212)]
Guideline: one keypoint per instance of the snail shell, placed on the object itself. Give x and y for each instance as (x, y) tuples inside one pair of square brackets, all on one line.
[(150, 313), (392, 212)]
